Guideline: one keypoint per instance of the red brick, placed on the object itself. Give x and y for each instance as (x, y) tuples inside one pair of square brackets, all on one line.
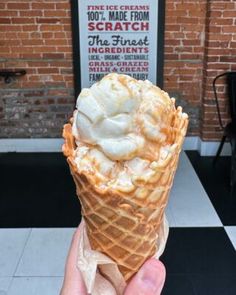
[(192, 28), (170, 5), (23, 20), (11, 42), (34, 78), (172, 28), (218, 51), (53, 55), (231, 58), (22, 35), (180, 12), (35, 35), (5, 20), (69, 55), (45, 49), (221, 37), (230, 5), (169, 49), (55, 13), (215, 13), (171, 56), (188, 20), (188, 6), (60, 35), (183, 49), (56, 42), (229, 29), (67, 28), (66, 21), (216, 5), (60, 64), (46, 35), (48, 20), (43, 6), (197, 13), (31, 13), (18, 5), (229, 13), (8, 12), (32, 42), (64, 49), (38, 64), (30, 55), (219, 65), (10, 28), (221, 21), (193, 42), (30, 28), (65, 5), (51, 28), (190, 56), (21, 49), (172, 42), (198, 50), (5, 49), (219, 44), (48, 71), (214, 29)]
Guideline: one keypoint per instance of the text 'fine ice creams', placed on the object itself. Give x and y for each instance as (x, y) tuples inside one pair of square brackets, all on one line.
[(123, 146)]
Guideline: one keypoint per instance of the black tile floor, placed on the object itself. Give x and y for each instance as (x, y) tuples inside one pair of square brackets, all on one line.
[(194, 257), (215, 180), (37, 190)]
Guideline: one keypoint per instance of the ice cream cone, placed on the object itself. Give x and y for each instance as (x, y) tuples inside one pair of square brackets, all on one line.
[(125, 225)]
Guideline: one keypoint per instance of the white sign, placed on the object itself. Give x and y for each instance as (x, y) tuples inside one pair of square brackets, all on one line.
[(118, 36)]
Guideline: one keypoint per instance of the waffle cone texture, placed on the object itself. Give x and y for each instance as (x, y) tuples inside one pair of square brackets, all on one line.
[(125, 225)]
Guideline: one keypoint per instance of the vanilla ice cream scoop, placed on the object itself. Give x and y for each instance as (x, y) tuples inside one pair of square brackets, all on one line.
[(105, 116), (117, 113), (125, 122)]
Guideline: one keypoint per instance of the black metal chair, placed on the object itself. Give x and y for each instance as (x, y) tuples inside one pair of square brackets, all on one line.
[(229, 130)]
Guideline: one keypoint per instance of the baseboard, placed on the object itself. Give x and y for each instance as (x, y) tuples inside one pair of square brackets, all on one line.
[(210, 148), (205, 148), (25, 145), (192, 143)]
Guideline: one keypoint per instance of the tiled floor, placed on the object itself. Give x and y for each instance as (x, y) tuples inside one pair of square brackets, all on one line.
[(215, 180), (199, 257), (188, 202), (231, 231), (45, 252), (35, 286), (194, 257)]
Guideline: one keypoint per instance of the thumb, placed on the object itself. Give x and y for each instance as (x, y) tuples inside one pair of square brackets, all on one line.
[(103, 286), (149, 280)]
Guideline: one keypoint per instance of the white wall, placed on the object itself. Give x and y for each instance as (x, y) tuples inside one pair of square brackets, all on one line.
[(54, 145)]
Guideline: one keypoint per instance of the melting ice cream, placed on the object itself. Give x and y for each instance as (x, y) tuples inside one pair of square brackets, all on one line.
[(124, 130)]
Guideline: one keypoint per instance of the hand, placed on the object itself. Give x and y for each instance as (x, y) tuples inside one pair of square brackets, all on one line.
[(148, 281)]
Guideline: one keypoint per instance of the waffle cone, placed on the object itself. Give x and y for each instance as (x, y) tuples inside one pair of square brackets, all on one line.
[(125, 225)]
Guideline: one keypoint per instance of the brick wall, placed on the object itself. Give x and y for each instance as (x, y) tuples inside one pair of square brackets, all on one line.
[(35, 35), (184, 52), (220, 56)]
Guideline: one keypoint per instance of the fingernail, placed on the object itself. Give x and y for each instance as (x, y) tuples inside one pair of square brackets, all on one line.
[(151, 277)]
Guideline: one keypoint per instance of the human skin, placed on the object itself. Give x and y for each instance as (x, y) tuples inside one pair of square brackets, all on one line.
[(148, 281)]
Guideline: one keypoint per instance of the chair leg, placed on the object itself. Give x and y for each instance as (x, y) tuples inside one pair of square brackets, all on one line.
[(219, 149), (233, 167)]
